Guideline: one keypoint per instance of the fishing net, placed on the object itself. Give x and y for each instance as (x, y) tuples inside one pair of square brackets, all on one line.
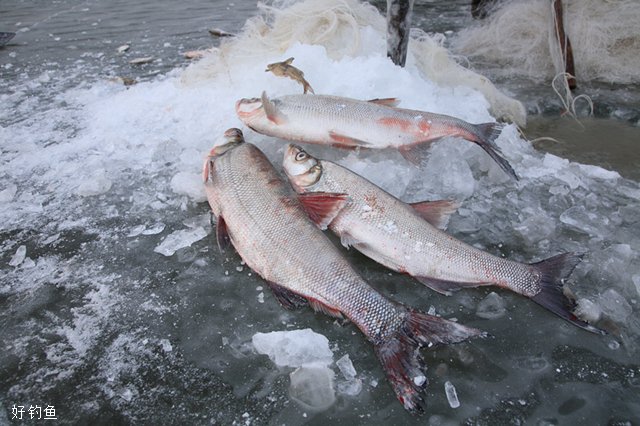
[(519, 38), (339, 25)]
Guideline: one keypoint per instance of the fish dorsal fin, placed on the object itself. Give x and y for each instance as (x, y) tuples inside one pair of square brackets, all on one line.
[(323, 207), (346, 142), (390, 102), (288, 61), (287, 298), (437, 213), (271, 110), (325, 309), (222, 234)]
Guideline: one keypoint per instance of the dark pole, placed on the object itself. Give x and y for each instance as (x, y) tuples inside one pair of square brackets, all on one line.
[(565, 45), (398, 26)]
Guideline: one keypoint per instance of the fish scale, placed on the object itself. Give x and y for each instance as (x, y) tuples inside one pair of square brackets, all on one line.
[(266, 224)]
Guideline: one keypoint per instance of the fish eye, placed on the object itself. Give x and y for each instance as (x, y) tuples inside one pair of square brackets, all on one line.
[(301, 156)]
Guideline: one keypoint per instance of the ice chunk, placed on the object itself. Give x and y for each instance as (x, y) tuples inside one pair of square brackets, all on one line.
[(294, 348), (614, 305), (189, 184), (8, 193), (419, 380), (578, 218), (491, 307), (94, 185), (312, 387), (587, 311), (179, 239), (452, 395), (351, 387), (136, 230), (155, 229), (346, 367), (166, 345), (19, 256), (598, 172), (636, 283)]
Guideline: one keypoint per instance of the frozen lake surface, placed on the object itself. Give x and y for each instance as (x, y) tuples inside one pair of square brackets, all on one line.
[(117, 307)]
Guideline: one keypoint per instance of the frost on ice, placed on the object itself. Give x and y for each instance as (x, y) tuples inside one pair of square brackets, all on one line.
[(491, 307)]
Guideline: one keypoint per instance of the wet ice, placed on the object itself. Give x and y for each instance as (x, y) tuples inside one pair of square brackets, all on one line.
[(294, 348)]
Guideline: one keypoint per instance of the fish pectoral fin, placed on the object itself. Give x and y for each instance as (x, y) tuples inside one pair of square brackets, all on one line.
[(346, 142), (287, 298), (437, 213), (390, 102), (325, 309), (271, 110), (222, 235), (447, 287), (323, 207), (414, 154), (348, 240)]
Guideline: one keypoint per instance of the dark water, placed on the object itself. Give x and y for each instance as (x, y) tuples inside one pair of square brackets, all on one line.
[(108, 332)]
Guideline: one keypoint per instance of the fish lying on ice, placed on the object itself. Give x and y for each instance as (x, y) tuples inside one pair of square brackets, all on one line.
[(351, 123), (397, 235), (259, 214), (285, 69)]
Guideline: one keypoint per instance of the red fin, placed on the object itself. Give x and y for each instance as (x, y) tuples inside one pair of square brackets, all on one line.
[(446, 287), (346, 142), (437, 213), (390, 102), (222, 234), (323, 207), (325, 309), (272, 112), (401, 359), (287, 298)]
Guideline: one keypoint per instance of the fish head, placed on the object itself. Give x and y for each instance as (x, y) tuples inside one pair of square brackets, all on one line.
[(302, 169), (250, 110)]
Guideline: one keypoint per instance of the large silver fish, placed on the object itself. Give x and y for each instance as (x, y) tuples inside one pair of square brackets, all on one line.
[(351, 123), (260, 215), (397, 235)]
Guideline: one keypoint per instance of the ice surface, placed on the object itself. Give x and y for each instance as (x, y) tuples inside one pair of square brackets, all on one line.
[(312, 387), (86, 162), (294, 348), (491, 307), (452, 396), (179, 239)]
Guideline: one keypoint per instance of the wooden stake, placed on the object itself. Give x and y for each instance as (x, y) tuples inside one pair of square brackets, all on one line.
[(565, 45)]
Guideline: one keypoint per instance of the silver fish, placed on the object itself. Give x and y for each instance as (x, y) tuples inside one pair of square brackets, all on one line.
[(259, 214), (351, 123), (407, 238)]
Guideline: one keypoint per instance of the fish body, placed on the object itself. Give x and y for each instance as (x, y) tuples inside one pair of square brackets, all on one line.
[(351, 123), (259, 214), (397, 235), (285, 69)]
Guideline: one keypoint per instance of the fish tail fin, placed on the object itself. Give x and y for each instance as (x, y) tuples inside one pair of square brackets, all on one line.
[(487, 133), (307, 87), (553, 272), (400, 357)]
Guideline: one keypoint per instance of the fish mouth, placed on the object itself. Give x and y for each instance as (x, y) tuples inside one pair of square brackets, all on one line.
[(247, 108), (232, 137)]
